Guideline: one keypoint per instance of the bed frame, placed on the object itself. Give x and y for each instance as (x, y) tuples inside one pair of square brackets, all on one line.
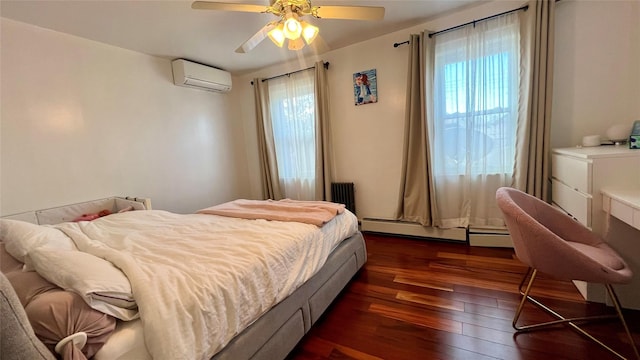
[(59, 214), (279, 330)]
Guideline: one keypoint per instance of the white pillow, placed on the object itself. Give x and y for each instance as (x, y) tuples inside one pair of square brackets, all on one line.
[(21, 237), (102, 285)]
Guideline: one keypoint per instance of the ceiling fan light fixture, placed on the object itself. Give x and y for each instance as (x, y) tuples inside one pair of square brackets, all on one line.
[(296, 44), (309, 32), (292, 27), (277, 35)]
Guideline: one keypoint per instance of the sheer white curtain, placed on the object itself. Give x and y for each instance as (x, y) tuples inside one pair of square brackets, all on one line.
[(292, 108), (474, 119)]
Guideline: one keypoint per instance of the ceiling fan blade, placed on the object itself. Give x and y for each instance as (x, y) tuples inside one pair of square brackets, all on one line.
[(210, 5), (349, 12), (256, 38)]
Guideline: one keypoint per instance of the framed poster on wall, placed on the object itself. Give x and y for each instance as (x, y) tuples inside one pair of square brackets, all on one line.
[(365, 87)]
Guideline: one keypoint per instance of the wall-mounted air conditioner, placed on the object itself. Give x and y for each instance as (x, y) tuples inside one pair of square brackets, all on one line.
[(187, 73)]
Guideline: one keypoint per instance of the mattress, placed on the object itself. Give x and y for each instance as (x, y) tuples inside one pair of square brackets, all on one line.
[(127, 341)]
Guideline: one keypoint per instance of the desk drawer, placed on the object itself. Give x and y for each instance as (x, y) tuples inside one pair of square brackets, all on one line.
[(624, 212), (573, 202), (573, 172)]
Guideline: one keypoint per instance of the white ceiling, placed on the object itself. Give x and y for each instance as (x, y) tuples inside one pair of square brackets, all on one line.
[(171, 29)]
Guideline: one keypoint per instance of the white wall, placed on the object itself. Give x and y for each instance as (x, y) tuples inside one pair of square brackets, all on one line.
[(82, 120), (597, 68)]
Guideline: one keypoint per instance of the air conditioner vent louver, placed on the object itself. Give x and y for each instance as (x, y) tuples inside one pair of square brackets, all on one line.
[(198, 76)]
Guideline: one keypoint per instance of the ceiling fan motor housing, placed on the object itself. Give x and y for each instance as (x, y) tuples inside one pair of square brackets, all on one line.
[(282, 7)]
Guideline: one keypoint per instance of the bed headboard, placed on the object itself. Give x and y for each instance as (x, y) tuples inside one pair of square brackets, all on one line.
[(65, 213)]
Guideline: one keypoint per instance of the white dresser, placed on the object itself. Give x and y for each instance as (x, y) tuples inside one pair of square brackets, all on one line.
[(578, 176)]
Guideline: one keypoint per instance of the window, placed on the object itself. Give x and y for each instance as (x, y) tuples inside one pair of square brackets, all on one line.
[(292, 103), (474, 117), (476, 87)]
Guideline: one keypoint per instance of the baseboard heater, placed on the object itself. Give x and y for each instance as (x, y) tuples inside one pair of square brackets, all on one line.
[(487, 237), (490, 237), (344, 193), (396, 227)]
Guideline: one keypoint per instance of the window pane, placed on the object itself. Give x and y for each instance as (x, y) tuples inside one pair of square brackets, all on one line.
[(292, 101), (476, 97)]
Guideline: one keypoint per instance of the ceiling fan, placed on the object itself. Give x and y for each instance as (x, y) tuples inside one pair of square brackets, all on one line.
[(290, 25)]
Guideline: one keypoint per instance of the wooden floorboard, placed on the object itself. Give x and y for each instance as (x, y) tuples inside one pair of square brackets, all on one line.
[(422, 299)]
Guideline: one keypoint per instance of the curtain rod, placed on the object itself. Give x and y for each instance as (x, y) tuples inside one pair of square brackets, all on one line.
[(325, 64), (400, 43), (395, 45), (483, 19)]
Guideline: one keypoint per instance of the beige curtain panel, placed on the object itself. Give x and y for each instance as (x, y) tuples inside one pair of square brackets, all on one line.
[(533, 147), (324, 161), (266, 146), (414, 203)]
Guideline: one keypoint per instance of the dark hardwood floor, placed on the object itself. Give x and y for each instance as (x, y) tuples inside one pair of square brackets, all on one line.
[(419, 299)]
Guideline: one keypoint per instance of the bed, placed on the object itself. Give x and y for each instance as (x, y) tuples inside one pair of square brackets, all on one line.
[(285, 311)]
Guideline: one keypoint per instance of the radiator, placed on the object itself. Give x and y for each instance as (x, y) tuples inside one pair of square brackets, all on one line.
[(343, 193)]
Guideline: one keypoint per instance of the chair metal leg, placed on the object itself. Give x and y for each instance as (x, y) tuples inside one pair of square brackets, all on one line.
[(561, 319), (569, 321), (616, 304)]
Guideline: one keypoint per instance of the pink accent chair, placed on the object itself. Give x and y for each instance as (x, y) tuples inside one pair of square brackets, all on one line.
[(553, 243)]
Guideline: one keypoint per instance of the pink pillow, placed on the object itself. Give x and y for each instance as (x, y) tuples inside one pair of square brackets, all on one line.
[(54, 313), (7, 262)]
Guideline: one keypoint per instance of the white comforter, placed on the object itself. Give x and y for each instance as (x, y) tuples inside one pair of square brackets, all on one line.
[(201, 279)]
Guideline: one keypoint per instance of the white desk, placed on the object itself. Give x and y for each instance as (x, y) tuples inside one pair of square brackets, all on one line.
[(623, 204), (578, 176), (622, 230)]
